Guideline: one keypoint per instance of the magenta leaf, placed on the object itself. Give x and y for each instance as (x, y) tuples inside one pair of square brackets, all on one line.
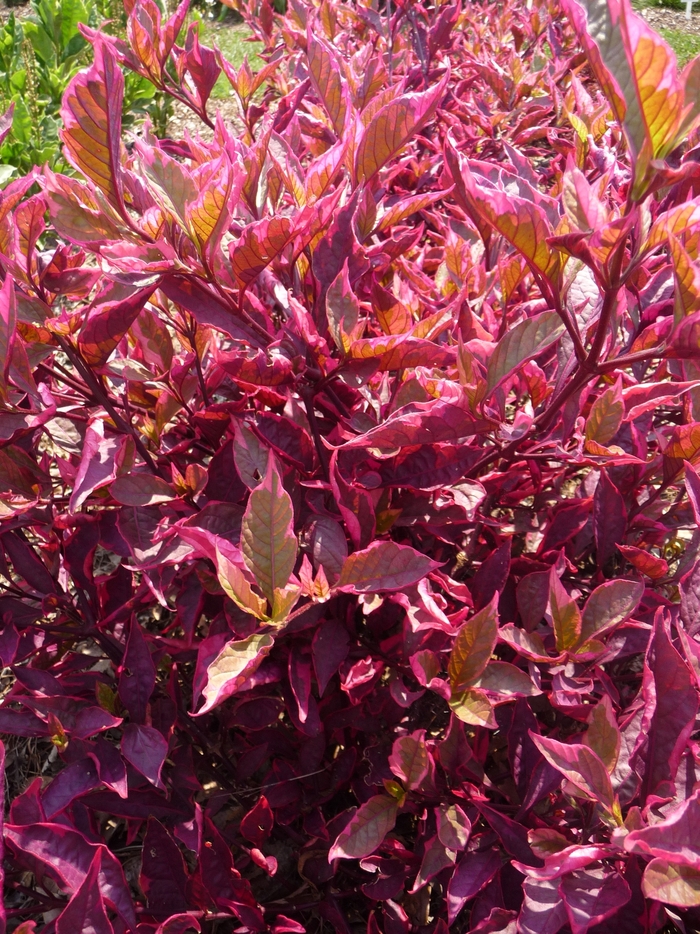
[(671, 882), (392, 127), (91, 114), (671, 706), (228, 671), (671, 838), (103, 455)]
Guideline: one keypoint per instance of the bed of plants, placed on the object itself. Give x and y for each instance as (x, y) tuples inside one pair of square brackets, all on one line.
[(348, 495)]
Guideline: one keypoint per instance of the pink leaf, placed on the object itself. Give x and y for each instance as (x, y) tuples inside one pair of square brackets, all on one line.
[(101, 459)]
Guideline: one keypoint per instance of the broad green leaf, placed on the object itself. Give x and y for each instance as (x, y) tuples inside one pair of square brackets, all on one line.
[(284, 602), (473, 647), (259, 244), (453, 826), (506, 679), (687, 280), (673, 883), (521, 343), (392, 127), (107, 323), (327, 80), (92, 122), (141, 489), (232, 666), (637, 70), (268, 541), (473, 707), (580, 765), (410, 759), (384, 566), (605, 416), (343, 311), (603, 733), (609, 605), (366, 830), (236, 585), (566, 617)]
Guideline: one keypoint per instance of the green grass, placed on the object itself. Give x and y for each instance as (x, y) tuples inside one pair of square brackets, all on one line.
[(685, 45), (231, 39)]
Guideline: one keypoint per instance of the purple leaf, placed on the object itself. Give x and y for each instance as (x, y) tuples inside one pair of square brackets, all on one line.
[(473, 871), (329, 649), (137, 677), (145, 748), (101, 459), (67, 856), (609, 519), (86, 911), (543, 910), (591, 896), (163, 873)]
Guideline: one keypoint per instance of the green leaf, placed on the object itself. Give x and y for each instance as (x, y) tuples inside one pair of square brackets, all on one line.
[(384, 566), (366, 830), (580, 765), (141, 490), (525, 340), (473, 707), (232, 666), (236, 585), (672, 883), (267, 533), (566, 617), (473, 647), (506, 679), (609, 605)]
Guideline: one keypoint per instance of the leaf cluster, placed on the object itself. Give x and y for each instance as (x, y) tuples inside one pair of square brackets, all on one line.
[(348, 481)]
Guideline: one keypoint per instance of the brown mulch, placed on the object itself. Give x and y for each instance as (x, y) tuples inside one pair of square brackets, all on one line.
[(662, 18)]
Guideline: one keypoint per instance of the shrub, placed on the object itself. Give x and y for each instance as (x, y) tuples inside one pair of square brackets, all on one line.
[(350, 579)]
